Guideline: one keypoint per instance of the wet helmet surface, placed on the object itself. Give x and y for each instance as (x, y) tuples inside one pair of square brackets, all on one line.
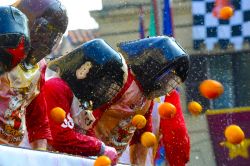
[(48, 23), (158, 63), (94, 71)]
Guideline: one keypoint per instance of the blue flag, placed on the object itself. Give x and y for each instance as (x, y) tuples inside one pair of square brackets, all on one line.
[(141, 23), (167, 19)]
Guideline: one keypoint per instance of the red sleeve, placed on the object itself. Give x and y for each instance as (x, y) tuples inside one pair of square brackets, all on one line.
[(67, 139), (148, 127), (37, 121), (175, 135), (36, 116)]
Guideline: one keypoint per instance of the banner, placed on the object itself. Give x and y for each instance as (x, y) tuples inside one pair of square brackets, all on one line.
[(228, 154), (208, 30)]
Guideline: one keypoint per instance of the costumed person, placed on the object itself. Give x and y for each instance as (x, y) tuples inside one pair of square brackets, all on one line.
[(156, 66), (21, 85), (174, 143), (48, 22), (14, 47), (91, 72)]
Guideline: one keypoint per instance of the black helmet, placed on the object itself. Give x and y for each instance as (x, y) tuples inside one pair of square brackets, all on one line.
[(94, 71), (159, 64), (14, 37), (48, 22)]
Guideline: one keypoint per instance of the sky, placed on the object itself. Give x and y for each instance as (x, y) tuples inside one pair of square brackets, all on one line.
[(78, 12)]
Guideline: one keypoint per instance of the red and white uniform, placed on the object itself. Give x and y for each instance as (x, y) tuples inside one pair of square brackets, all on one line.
[(113, 121), (67, 137), (173, 133), (17, 90)]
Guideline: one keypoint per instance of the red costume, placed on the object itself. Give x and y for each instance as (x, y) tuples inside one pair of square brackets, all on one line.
[(175, 137), (66, 136), (36, 118), (174, 133), (119, 132), (21, 85)]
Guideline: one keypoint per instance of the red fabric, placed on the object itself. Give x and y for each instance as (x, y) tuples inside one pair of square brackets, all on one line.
[(148, 127), (37, 121), (67, 139), (175, 136), (137, 135), (18, 53), (36, 116)]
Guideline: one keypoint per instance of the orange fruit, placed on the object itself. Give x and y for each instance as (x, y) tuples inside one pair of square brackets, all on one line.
[(102, 161), (148, 139), (139, 121), (234, 134), (211, 89), (226, 13), (166, 110), (194, 108), (57, 114)]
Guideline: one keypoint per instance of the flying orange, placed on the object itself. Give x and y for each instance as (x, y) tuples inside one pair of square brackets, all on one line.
[(57, 114), (166, 110), (234, 134), (139, 121), (102, 161), (194, 108), (211, 89), (226, 13), (148, 139)]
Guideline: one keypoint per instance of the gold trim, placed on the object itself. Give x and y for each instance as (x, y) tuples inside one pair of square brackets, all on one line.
[(229, 110)]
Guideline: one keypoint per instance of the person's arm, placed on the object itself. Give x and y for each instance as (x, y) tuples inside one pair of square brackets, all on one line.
[(37, 123), (138, 154), (40, 144)]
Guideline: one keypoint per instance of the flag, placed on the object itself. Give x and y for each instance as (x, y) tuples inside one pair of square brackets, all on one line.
[(167, 19), (226, 153), (141, 23), (208, 30), (152, 28)]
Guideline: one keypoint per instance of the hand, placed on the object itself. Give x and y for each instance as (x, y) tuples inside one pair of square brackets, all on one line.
[(40, 144), (111, 153)]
